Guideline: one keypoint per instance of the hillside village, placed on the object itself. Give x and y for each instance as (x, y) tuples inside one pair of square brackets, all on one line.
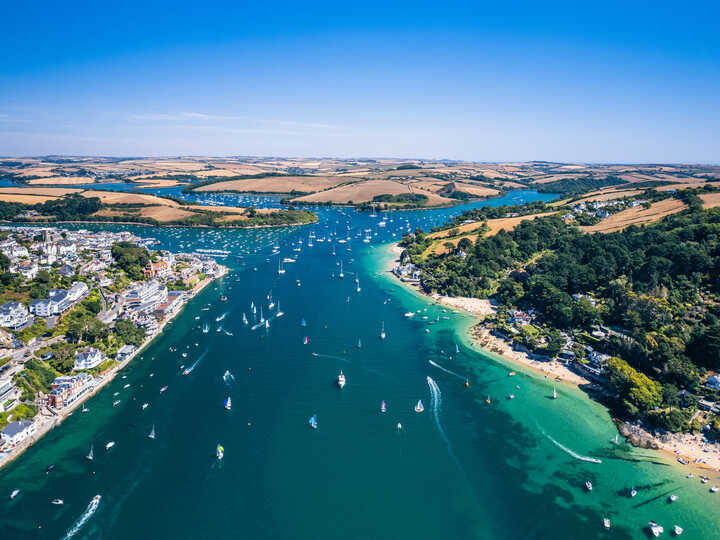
[(75, 306)]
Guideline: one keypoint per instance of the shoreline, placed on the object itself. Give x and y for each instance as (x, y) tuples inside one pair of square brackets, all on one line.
[(687, 446), (52, 223), (48, 420)]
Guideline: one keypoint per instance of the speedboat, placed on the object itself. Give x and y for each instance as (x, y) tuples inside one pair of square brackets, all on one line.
[(58, 501), (163, 389), (714, 489), (14, 493), (588, 485), (219, 451), (109, 445), (419, 407), (145, 406), (409, 314), (116, 403), (655, 529), (382, 332), (341, 380), (678, 530)]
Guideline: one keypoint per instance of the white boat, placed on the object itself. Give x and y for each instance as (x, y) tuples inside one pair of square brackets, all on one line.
[(228, 403), (151, 435), (588, 485), (555, 394), (57, 501), (14, 493), (655, 529), (382, 331), (341, 380), (714, 489), (419, 407), (410, 314), (205, 329), (245, 319), (383, 407), (678, 530), (341, 275), (109, 445), (399, 426), (673, 498), (163, 389), (633, 492), (91, 454), (116, 403), (279, 312), (219, 452), (313, 421), (145, 406), (606, 523), (281, 270)]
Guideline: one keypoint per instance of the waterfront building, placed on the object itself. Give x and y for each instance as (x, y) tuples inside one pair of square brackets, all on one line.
[(124, 352), (16, 432), (89, 358), (67, 390)]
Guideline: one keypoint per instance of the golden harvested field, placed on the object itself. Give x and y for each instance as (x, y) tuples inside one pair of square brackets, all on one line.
[(62, 180), (25, 199), (609, 195), (116, 197), (476, 189), (158, 183), (276, 184), (360, 192), (52, 192), (710, 200), (164, 213), (637, 216)]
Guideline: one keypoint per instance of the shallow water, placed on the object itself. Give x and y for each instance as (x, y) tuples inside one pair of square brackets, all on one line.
[(460, 469)]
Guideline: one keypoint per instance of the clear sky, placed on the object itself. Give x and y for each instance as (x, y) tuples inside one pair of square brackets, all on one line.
[(486, 81)]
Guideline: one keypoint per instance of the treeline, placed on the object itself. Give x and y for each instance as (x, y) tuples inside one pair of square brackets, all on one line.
[(402, 198), (574, 186), (67, 208), (658, 284)]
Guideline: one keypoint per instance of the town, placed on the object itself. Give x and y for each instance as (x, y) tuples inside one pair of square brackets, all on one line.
[(76, 307)]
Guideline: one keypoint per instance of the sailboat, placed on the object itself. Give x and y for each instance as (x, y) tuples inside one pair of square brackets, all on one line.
[(219, 452), (419, 407), (382, 331), (281, 270), (303, 323), (341, 380), (555, 394), (279, 312), (383, 407), (359, 345), (228, 403), (358, 287), (313, 421), (457, 349), (91, 454), (245, 319), (151, 435), (262, 319), (341, 275), (306, 340)]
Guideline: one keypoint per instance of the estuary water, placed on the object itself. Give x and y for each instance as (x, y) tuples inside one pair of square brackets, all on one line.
[(462, 468)]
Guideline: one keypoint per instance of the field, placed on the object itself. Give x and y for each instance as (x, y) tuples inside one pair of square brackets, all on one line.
[(277, 184), (360, 192), (637, 216), (710, 200)]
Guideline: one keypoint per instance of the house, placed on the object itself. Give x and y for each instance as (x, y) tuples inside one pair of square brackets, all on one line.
[(174, 301), (16, 432), (9, 393), (146, 297), (125, 352), (713, 382), (65, 391), (598, 358), (28, 269), (66, 271), (89, 358), (77, 291), (158, 269), (519, 317), (407, 272), (13, 315)]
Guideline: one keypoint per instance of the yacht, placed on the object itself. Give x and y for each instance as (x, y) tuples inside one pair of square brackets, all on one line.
[(606, 523), (419, 407), (145, 406), (655, 529), (341, 380), (672, 498)]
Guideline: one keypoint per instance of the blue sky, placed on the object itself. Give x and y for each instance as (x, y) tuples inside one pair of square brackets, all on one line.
[(484, 81)]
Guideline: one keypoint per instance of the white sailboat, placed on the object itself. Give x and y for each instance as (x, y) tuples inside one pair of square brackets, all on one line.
[(281, 270), (151, 435), (419, 407), (245, 319), (555, 394), (341, 275), (382, 331), (91, 454), (279, 312)]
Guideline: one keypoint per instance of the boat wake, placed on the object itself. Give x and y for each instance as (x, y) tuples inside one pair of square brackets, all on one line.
[(318, 355), (568, 451), (189, 370), (435, 364), (435, 404), (84, 518)]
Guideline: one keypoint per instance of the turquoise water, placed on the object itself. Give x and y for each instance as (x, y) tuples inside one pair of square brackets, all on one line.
[(461, 469)]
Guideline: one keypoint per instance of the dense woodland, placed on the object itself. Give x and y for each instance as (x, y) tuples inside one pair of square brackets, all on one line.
[(658, 286)]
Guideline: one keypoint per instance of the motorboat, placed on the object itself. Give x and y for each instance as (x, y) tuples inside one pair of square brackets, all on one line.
[(655, 529), (588, 485), (341, 380)]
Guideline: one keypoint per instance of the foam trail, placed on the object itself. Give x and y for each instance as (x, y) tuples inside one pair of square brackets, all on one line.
[(568, 451), (83, 519), (435, 404), (331, 357), (195, 364), (445, 370)]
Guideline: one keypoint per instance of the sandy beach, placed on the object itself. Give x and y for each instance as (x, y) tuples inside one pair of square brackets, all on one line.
[(687, 446), (47, 420)]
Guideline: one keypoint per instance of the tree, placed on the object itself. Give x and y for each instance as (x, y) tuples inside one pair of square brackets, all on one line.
[(637, 392), (131, 258), (4, 262), (129, 332)]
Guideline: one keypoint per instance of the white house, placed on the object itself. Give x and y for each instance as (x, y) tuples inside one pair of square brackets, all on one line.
[(28, 269), (13, 315), (89, 358), (77, 291), (16, 432), (124, 352)]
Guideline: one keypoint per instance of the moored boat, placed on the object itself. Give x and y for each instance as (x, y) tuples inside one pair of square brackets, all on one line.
[(341, 380), (228, 403), (419, 406), (655, 529), (219, 452), (313, 421)]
